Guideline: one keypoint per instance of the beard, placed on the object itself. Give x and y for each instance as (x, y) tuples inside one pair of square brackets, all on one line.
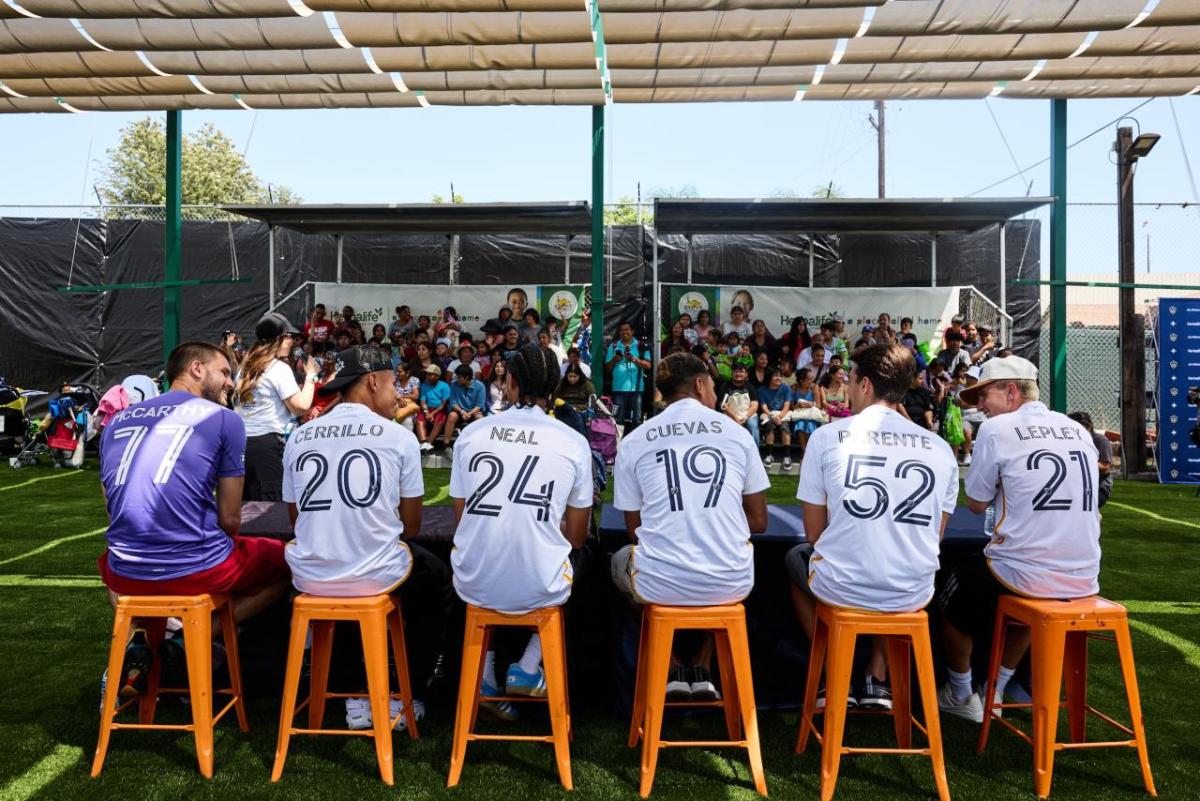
[(214, 390)]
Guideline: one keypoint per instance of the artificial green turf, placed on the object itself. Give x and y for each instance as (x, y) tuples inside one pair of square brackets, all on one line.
[(55, 621)]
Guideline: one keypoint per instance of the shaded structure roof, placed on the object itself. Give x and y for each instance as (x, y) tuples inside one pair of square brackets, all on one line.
[(427, 218), (88, 55), (836, 215)]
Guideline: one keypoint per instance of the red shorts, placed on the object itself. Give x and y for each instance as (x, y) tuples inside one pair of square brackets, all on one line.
[(254, 564), (434, 418)]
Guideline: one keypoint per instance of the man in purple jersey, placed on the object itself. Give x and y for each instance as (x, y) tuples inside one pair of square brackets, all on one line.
[(161, 461)]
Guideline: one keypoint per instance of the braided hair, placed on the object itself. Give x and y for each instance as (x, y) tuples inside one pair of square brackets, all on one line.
[(535, 369)]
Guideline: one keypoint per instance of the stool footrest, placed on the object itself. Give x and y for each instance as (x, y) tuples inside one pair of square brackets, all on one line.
[(345, 732), (1115, 724), (155, 726), (898, 751), (516, 738), (516, 699), (1098, 744), (702, 743)]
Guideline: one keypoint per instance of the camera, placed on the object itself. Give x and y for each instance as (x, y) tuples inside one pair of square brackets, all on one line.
[(1193, 396)]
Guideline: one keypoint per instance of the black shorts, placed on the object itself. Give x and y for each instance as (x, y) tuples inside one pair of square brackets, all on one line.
[(796, 564), (970, 595), (264, 468)]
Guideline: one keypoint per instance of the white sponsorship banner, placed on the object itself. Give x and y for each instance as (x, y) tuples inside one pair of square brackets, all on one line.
[(475, 305), (929, 307)]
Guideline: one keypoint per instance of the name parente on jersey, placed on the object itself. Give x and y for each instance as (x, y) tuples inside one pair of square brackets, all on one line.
[(1046, 432), (311, 432), (894, 439), (654, 432)]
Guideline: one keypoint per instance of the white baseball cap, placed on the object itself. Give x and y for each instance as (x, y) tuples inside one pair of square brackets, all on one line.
[(1007, 368)]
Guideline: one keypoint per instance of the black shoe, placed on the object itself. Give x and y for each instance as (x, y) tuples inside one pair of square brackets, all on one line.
[(701, 684), (136, 671), (851, 702), (679, 688), (875, 694)]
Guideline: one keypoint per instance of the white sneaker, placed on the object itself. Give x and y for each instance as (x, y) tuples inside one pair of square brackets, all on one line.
[(970, 709), (787, 463), (359, 717), (767, 462), (426, 446), (966, 460)]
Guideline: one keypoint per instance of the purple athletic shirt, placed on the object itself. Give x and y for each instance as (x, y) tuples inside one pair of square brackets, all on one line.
[(159, 461)]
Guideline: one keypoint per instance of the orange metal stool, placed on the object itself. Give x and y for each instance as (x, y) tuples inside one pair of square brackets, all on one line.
[(728, 624), (833, 648), (1059, 632), (549, 625), (196, 612), (377, 616)]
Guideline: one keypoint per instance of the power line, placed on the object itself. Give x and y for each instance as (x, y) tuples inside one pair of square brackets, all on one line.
[(1104, 127), (1008, 147), (1187, 163)]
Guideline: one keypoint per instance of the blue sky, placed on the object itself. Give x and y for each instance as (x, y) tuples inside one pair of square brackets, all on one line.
[(935, 149)]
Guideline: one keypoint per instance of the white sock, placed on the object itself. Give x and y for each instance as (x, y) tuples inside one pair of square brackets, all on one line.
[(174, 624), (532, 656), (960, 685), (489, 669), (1002, 678)]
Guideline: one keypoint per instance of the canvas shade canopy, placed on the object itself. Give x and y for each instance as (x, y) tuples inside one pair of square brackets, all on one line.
[(122, 55), (569, 218)]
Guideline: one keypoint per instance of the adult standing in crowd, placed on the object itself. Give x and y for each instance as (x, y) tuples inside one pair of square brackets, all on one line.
[(267, 398), (628, 362)]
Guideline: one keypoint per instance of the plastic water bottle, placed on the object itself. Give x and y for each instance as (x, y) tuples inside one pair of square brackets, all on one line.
[(989, 520)]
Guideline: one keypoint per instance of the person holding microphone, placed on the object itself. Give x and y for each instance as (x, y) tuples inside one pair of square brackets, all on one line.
[(267, 397)]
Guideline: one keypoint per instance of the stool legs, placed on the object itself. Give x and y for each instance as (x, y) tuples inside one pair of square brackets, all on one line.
[(400, 654), (374, 637), (233, 661), (838, 666), (116, 660), (1075, 672), (637, 719), (468, 695), (197, 647), (1125, 651), (729, 685), (999, 630), (156, 629), (554, 658), (899, 670), (318, 671), (1046, 656), (291, 686), (933, 726), (740, 644), (816, 664), (660, 639)]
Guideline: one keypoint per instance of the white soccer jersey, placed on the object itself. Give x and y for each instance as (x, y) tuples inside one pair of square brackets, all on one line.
[(886, 483), (518, 471), (346, 471), (1040, 468), (685, 471)]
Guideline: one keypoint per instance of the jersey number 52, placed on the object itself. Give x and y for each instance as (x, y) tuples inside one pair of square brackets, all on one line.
[(879, 498)]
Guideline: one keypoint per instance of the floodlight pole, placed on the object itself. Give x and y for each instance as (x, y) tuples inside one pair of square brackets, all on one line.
[(1058, 255), (1132, 337), (598, 294), (173, 235)]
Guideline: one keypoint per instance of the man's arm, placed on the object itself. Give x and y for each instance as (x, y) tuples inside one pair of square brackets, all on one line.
[(978, 507), (945, 520), (755, 507), (816, 518), (633, 521), (459, 505), (410, 515), (293, 513), (575, 525), (229, 504)]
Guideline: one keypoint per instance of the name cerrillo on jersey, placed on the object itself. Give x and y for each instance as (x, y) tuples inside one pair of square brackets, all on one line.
[(311, 432), (654, 432)]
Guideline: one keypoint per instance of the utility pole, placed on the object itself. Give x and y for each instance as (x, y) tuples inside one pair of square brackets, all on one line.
[(878, 123)]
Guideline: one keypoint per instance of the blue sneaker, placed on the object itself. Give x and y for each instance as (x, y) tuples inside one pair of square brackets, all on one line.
[(501, 710), (518, 682)]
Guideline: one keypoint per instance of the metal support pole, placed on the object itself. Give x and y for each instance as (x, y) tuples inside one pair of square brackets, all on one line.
[(1133, 381), (933, 261), (810, 262), (655, 305), (271, 268), (1058, 255), (339, 258), (173, 236), (689, 259), (567, 260), (1002, 334), (453, 266), (598, 294)]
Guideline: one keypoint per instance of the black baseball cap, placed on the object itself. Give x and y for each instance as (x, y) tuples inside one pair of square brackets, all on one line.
[(353, 363), (273, 325)]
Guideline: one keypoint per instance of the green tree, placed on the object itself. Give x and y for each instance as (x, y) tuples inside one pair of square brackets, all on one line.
[(439, 199), (214, 172), (625, 212), (827, 190)]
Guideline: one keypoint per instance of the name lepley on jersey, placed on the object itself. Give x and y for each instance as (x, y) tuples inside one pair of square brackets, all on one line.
[(518, 436), (680, 429), (894, 439), (1046, 432), (310, 432)]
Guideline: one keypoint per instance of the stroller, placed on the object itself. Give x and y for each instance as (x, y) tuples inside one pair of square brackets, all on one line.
[(603, 433), (14, 428), (65, 430)]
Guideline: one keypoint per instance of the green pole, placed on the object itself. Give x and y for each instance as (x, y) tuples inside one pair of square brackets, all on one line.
[(1058, 255), (598, 295), (173, 237)]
